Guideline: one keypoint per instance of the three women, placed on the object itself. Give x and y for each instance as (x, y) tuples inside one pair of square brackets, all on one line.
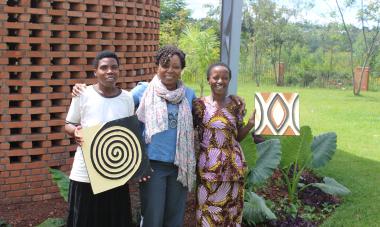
[(164, 106)]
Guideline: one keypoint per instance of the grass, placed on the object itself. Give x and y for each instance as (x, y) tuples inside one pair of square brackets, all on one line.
[(356, 164)]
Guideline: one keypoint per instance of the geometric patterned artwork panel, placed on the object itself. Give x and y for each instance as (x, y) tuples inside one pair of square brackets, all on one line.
[(277, 114), (114, 153)]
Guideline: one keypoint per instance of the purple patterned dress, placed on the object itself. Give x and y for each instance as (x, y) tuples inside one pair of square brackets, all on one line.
[(220, 164)]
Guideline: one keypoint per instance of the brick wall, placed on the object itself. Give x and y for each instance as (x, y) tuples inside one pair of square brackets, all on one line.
[(46, 46)]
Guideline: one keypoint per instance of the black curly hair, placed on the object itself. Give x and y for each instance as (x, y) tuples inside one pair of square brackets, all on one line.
[(104, 54), (215, 65), (166, 52)]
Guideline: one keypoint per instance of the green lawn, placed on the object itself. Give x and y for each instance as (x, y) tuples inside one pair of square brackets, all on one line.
[(356, 164)]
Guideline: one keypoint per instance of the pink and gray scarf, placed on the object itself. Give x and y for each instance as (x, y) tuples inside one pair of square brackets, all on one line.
[(154, 113)]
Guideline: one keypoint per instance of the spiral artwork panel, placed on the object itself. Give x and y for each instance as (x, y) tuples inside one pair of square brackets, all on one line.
[(118, 152), (114, 153)]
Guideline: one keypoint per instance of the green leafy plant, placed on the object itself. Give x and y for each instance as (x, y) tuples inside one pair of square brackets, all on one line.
[(328, 208), (62, 181), (309, 214), (255, 208), (53, 222), (304, 151), (4, 223)]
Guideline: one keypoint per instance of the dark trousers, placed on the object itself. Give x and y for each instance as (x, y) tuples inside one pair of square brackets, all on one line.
[(163, 198)]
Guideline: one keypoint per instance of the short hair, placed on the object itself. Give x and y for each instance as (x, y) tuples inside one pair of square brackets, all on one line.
[(104, 54), (166, 52), (216, 65)]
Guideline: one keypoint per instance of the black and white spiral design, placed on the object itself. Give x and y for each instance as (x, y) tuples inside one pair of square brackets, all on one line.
[(116, 152)]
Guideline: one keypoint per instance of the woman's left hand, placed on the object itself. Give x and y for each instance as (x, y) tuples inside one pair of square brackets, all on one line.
[(251, 120), (240, 102)]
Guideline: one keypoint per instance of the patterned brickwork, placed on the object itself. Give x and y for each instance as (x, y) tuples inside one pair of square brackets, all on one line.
[(46, 46)]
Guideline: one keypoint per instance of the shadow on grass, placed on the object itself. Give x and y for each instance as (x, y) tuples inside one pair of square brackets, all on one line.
[(362, 177)]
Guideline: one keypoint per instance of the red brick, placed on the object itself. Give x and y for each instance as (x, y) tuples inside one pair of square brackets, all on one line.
[(37, 111), (35, 26), (4, 188), (5, 117), (36, 191), (46, 144), (56, 149), (16, 173), (47, 196), (17, 97), (19, 152), (17, 193), (36, 137), (54, 136), (36, 11), (37, 184), (16, 138), (15, 180), (33, 165), (35, 178), (5, 132), (36, 151), (26, 172), (37, 96), (15, 187), (52, 189), (7, 174), (26, 144), (37, 198), (45, 130), (54, 162), (75, 14), (39, 171), (37, 68)]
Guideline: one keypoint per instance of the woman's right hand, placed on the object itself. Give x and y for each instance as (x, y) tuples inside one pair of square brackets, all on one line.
[(78, 136), (78, 89)]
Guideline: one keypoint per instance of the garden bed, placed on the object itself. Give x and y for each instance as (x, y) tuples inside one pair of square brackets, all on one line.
[(313, 205)]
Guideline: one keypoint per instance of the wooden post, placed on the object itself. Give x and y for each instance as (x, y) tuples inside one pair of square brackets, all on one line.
[(364, 84), (280, 74)]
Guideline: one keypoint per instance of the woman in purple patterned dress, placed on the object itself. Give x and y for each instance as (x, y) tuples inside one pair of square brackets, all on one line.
[(220, 160)]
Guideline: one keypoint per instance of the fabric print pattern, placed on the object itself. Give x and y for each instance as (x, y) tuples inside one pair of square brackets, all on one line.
[(218, 144), (220, 164)]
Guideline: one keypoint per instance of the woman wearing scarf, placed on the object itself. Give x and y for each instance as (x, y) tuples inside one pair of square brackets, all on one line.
[(164, 107)]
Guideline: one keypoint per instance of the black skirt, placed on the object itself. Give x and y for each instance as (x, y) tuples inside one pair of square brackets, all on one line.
[(109, 208)]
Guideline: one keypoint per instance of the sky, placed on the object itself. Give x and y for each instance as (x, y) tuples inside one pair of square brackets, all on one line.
[(319, 14), (196, 7)]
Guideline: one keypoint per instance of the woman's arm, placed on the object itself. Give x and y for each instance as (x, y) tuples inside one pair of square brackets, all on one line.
[(239, 101), (75, 132), (244, 130), (78, 89)]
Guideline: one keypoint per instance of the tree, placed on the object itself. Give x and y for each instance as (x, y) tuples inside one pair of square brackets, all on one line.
[(202, 49), (271, 31), (368, 15), (173, 19), (170, 8)]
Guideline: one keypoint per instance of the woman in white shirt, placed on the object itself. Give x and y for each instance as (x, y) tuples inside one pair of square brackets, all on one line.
[(99, 103)]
